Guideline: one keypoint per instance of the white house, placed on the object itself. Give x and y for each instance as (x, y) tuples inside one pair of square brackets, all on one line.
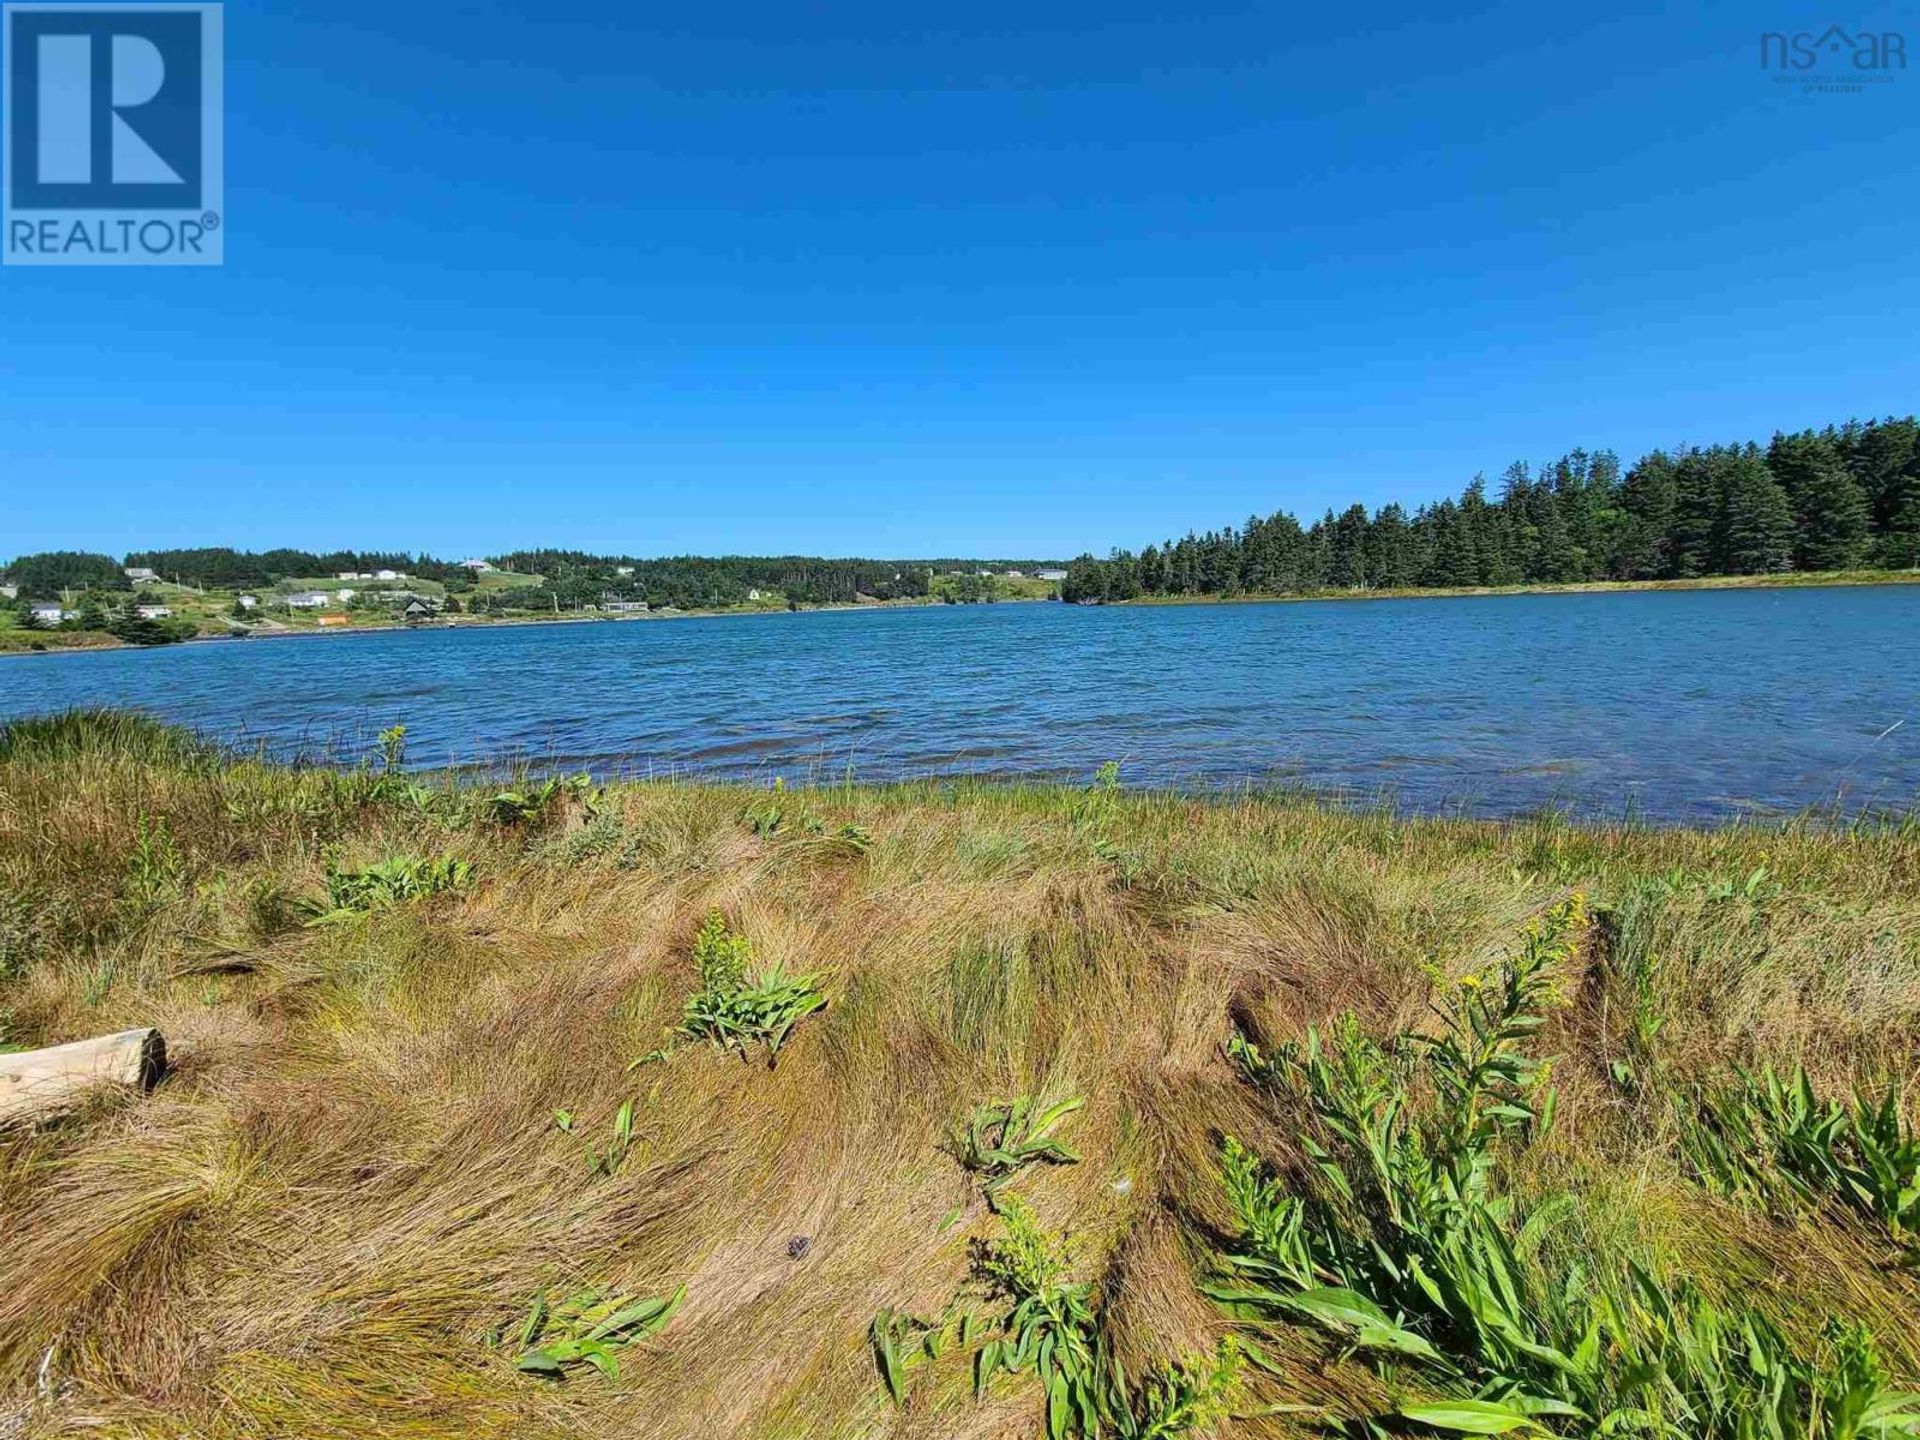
[(139, 574), (624, 607), (1016, 574), (153, 612), (623, 571), (477, 565), (247, 602), (1051, 574), (11, 592), (753, 594), (346, 593), (389, 575), (346, 575), (307, 600), (49, 614)]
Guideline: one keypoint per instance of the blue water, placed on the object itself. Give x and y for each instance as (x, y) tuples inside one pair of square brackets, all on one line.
[(1675, 706)]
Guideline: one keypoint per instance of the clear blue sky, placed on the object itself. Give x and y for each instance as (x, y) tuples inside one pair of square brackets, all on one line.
[(997, 279)]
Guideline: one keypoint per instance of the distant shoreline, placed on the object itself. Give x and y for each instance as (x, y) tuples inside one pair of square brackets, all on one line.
[(90, 641), (1807, 580)]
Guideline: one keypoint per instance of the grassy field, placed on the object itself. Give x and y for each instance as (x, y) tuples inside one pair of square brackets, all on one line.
[(683, 1111)]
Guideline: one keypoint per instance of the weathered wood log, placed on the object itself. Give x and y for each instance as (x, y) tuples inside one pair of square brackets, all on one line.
[(42, 1084)]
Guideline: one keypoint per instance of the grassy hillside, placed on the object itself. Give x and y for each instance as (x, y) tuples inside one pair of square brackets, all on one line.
[(337, 1217)]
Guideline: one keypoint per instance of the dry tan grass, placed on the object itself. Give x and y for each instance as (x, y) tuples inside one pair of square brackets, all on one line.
[(352, 1177)]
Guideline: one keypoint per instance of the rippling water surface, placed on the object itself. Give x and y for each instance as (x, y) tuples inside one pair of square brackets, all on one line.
[(1678, 705)]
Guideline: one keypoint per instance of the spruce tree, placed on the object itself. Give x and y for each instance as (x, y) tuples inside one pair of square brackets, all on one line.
[(1755, 531), (1646, 504), (1689, 545), (1829, 508), (1898, 545)]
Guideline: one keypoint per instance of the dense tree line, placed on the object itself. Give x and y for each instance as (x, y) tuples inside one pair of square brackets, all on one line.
[(1835, 499), (217, 567), (47, 576), (701, 582), (573, 579)]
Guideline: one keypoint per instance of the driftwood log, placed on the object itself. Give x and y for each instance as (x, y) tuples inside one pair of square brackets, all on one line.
[(39, 1085)]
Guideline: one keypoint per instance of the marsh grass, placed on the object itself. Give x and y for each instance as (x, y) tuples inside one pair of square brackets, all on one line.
[(352, 1179)]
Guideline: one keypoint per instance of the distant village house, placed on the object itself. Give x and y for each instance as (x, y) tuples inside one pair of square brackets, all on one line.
[(307, 599), (153, 612), (140, 575)]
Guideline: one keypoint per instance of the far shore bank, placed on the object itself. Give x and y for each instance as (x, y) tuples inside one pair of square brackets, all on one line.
[(89, 641), (1806, 580)]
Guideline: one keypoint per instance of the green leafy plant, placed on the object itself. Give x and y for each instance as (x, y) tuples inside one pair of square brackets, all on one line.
[(765, 818), (156, 873), (533, 803), (901, 1341), (733, 1011), (588, 1328), (1771, 1139), (1400, 1239), (393, 747), (850, 838), (386, 884), (1049, 1329), (1002, 1139), (619, 1144), (1177, 1398), (604, 839)]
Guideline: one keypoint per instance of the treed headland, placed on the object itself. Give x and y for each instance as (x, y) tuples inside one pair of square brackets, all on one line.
[(1843, 498)]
